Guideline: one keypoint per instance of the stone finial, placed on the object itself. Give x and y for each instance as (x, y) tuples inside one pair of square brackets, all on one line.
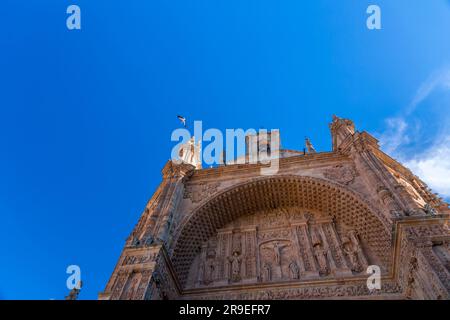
[(309, 146), (190, 153), (180, 170), (340, 129)]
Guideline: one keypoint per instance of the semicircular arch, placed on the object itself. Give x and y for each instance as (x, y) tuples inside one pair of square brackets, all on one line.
[(277, 192)]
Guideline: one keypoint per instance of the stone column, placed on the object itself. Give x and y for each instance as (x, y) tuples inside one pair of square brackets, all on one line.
[(442, 275), (201, 266), (374, 183), (296, 229), (221, 257), (329, 248), (314, 272), (361, 256), (175, 176), (409, 204), (249, 255), (342, 268), (141, 273)]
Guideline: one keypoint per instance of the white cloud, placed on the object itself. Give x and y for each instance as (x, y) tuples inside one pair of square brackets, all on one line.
[(433, 166), (438, 80), (402, 138), (395, 134)]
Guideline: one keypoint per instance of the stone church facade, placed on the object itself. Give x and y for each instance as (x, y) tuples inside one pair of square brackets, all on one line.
[(310, 231)]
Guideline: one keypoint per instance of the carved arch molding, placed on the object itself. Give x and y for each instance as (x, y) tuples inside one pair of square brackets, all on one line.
[(277, 229)]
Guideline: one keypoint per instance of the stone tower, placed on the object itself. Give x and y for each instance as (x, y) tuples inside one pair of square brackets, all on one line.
[(309, 231)]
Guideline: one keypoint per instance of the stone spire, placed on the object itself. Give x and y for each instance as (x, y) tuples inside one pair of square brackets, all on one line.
[(340, 130), (189, 153)]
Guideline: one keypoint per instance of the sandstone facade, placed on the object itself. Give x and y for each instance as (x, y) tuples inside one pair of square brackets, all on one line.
[(308, 232)]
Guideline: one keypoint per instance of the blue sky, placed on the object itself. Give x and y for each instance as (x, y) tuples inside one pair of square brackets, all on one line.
[(86, 115)]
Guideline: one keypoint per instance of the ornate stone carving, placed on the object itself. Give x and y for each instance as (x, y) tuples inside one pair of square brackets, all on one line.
[(138, 259), (322, 259), (352, 254), (292, 235), (266, 272), (305, 243), (352, 248), (317, 292), (429, 210), (235, 266), (294, 271), (132, 287), (201, 191), (119, 284), (344, 174)]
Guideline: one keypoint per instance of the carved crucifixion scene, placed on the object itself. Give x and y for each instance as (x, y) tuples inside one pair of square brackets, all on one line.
[(285, 244)]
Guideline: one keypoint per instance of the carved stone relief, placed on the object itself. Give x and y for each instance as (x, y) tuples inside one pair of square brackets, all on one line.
[(284, 244), (131, 286), (344, 174), (201, 191)]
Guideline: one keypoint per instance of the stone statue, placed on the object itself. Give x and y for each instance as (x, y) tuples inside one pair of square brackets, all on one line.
[(293, 268), (148, 240), (277, 248), (315, 238), (309, 146), (235, 263), (429, 210), (201, 271), (210, 272), (353, 257), (321, 256), (267, 272)]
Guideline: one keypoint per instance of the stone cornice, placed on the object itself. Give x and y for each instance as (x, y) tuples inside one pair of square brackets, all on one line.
[(312, 160), (177, 170)]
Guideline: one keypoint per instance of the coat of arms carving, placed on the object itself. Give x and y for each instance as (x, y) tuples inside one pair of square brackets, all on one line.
[(340, 173), (201, 191)]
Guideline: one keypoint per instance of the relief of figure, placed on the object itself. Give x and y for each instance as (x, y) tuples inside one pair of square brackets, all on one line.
[(352, 254), (321, 256), (235, 264), (201, 271), (209, 272), (277, 249), (294, 271), (267, 272), (315, 238)]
